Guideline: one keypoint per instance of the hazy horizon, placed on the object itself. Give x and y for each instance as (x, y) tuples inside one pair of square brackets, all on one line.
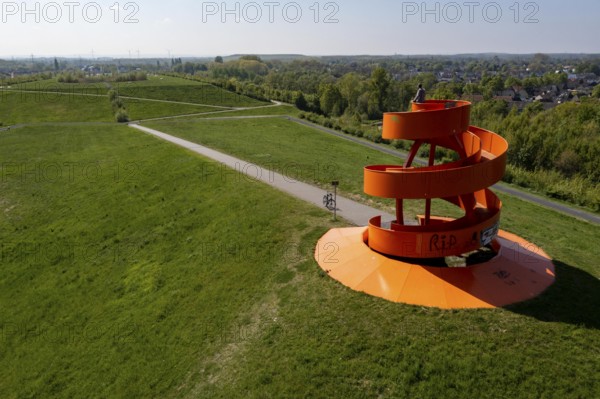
[(212, 56), (184, 28)]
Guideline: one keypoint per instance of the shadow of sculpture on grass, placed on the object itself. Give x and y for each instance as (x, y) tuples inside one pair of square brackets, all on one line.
[(574, 298)]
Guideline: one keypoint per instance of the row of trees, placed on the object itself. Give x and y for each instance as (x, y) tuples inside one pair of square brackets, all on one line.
[(556, 151), (565, 138), (118, 106), (367, 98), (188, 67), (7, 80)]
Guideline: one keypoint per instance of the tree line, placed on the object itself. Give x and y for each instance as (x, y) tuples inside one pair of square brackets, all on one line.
[(555, 151)]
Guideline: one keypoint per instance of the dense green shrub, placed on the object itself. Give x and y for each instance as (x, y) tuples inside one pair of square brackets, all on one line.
[(122, 116)]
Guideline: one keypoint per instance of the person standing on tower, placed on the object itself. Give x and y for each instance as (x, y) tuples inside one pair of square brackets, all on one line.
[(420, 97)]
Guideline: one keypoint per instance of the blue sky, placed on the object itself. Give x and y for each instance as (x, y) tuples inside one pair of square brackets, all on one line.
[(209, 28)]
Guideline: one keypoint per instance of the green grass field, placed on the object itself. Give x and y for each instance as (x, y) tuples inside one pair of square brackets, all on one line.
[(128, 254), (282, 110), (193, 92), (280, 144), (145, 109), (103, 87), (54, 86), (294, 150), (165, 88), (29, 107), (23, 107), (129, 271), (173, 283)]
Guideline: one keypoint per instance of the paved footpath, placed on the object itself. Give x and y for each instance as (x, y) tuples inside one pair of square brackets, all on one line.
[(351, 211)]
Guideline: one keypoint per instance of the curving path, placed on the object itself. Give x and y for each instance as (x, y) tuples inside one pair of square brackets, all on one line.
[(352, 211)]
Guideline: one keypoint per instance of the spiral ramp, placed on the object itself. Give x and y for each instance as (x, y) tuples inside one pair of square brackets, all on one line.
[(393, 260)]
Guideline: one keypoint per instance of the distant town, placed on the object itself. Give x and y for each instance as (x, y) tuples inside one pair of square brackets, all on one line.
[(570, 85)]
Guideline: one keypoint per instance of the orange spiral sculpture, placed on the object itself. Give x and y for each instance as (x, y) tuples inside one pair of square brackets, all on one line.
[(383, 259), (481, 164)]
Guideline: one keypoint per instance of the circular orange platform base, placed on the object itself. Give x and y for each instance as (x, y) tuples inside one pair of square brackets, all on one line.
[(520, 271)]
